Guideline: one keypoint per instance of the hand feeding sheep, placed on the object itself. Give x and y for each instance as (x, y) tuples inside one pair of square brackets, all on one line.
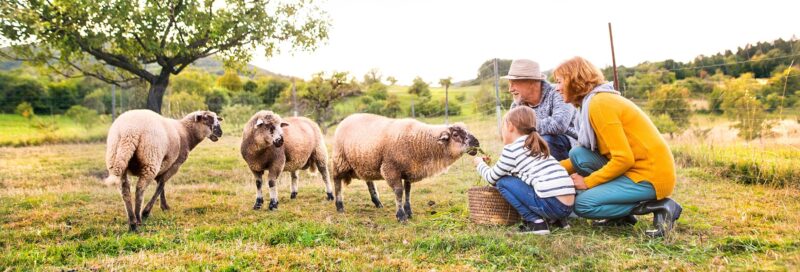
[(271, 143), (401, 151), (145, 144)]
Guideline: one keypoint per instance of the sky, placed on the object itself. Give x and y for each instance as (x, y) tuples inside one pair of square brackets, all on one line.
[(435, 39)]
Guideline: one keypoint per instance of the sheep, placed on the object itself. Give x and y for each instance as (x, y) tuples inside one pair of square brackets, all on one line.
[(270, 143), (401, 151), (145, 144)]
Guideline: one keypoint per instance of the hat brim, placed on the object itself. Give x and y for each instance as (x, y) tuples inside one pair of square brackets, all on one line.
[(510, 77)]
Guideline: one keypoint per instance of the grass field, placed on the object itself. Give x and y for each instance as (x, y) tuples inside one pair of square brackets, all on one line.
[(17, 131), (55, 214)]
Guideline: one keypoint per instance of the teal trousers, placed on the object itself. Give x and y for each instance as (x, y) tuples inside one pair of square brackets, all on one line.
[(612, 199)]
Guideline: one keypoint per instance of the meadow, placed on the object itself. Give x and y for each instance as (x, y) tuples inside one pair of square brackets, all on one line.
[(56, 214)]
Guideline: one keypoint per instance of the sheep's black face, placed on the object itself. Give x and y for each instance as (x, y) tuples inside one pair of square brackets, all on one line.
[(212, 121), (464, 140)]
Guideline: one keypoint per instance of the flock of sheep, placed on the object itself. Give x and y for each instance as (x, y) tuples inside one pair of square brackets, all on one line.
[(367, 147)]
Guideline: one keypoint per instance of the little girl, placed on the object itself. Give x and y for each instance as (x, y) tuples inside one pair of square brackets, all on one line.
[(531, 180)]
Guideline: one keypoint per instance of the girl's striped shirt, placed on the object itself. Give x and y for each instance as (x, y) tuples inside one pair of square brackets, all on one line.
[(547, 177)]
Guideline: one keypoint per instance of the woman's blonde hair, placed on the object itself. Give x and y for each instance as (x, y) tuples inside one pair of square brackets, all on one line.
[(578, 77), (524, 120)]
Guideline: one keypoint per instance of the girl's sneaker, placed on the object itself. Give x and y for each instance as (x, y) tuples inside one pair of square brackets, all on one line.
[(538, 227), (559, 223)]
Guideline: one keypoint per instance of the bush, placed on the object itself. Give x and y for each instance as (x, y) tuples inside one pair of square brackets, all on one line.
[(430, 108), (85, 117), (96, 100), (246, 98), (216, 99), (378, 91), (237, 115), (182, 103), (665, 124), (25, 109)]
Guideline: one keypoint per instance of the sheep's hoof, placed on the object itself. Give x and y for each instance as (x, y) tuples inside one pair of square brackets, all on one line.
[(339, 206), (294, 195), (145, 215), (402, 217), (273, 204), (259, 203), (330, 196), (132, 227), (164, 207), (407, 208)]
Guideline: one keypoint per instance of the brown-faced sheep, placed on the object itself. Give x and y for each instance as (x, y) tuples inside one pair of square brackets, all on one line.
[(145, 144), (271, 143), (401, 151)]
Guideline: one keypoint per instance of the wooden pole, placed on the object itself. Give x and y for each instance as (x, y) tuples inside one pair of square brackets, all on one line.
[(613, 57), (497, 100)]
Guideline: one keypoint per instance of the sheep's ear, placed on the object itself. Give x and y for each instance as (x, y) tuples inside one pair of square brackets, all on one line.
[(444, 137), (259, 122), (219, 119), (284, 124), (198, 117)]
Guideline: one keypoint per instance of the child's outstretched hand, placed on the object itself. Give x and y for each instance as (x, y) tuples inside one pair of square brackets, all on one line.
[(477, 160)]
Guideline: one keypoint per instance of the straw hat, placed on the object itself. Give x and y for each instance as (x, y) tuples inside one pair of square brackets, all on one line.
[(524, 69)]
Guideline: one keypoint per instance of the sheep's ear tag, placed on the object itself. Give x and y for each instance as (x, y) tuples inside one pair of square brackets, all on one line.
[(259, 122), (444, 137), (284, 124)]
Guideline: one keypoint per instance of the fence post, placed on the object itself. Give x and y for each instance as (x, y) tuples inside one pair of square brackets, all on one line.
[(413, 115), (446, 111), (294, 97), (497, 100), (113, 102)]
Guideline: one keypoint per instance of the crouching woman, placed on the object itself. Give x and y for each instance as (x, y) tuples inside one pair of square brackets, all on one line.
[(528, 177), (623, 162)]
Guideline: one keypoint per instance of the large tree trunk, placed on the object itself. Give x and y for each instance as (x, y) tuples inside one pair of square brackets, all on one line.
[(156, 95)]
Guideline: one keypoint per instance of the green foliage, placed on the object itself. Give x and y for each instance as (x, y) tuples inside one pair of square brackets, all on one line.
[(216, 99), (372, 76), (782, 89), (672, 101), (89, 37), (696, 86), (236, 115), (15, 90), (231, 81), (63, 95), (485, 99), (250, 86), (182, 103), (246, 98), (665, 124), (271, 90), (420, 88), (642, 83), (431, 108), (378, 91), (319, 96), (85, 117), (192, 81), (25, 110), (740, 103), (391, 80), (96, 100), (392, 107), (486, 70)]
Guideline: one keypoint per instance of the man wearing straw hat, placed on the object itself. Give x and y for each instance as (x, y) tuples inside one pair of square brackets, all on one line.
[(555, 120)]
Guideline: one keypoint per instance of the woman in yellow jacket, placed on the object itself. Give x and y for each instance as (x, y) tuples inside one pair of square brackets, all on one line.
[(623, 163)]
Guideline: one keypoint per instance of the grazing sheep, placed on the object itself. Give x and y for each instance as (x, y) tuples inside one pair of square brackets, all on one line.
[(270, 143), (145, 144), (401, 151)]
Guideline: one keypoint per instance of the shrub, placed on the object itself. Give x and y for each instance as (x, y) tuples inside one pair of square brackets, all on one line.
[(180, 104), (216, 99), (25, 109), (237, 115), (83, 116)]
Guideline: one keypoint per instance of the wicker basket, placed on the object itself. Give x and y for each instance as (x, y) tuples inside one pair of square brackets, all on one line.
[(488, 207)]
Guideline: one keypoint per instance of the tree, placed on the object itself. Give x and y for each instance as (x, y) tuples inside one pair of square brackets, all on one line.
[(230, 80), (182, 103), (486, 71), (372, 76), (672, 101), (665, 124), (250, 86), (445, 82), (321, 93), (740, 103), (192, 81), (15, 90), (217, 99), (391, 80), (420, 88), (126, 42), (271, 90)]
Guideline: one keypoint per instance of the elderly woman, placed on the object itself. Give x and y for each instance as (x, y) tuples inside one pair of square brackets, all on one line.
[(623, 163)]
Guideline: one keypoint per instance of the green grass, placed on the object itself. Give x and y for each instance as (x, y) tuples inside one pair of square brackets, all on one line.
[(55, 214), (748, 164), (17, 131)]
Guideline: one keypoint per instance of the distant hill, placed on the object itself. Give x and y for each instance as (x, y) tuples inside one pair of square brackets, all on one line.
[(209, 64)]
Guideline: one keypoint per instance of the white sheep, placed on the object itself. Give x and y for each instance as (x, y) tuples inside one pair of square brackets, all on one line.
[(401, 151), (145, 144), (274, 144)]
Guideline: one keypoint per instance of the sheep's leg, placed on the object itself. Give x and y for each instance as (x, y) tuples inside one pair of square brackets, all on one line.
[(294, 184), (156, 195), (397, 186), (141, 186), (337, 186), (323, 170), (164, 206), (259, 196), (273, 189), (125, 189), (374, 194), (407, 206)]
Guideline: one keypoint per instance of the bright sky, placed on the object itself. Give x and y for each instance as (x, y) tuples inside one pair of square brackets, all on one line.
[(437, 39)]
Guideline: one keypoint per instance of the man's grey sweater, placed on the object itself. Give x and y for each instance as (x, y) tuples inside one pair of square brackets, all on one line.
[(553, 115)]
